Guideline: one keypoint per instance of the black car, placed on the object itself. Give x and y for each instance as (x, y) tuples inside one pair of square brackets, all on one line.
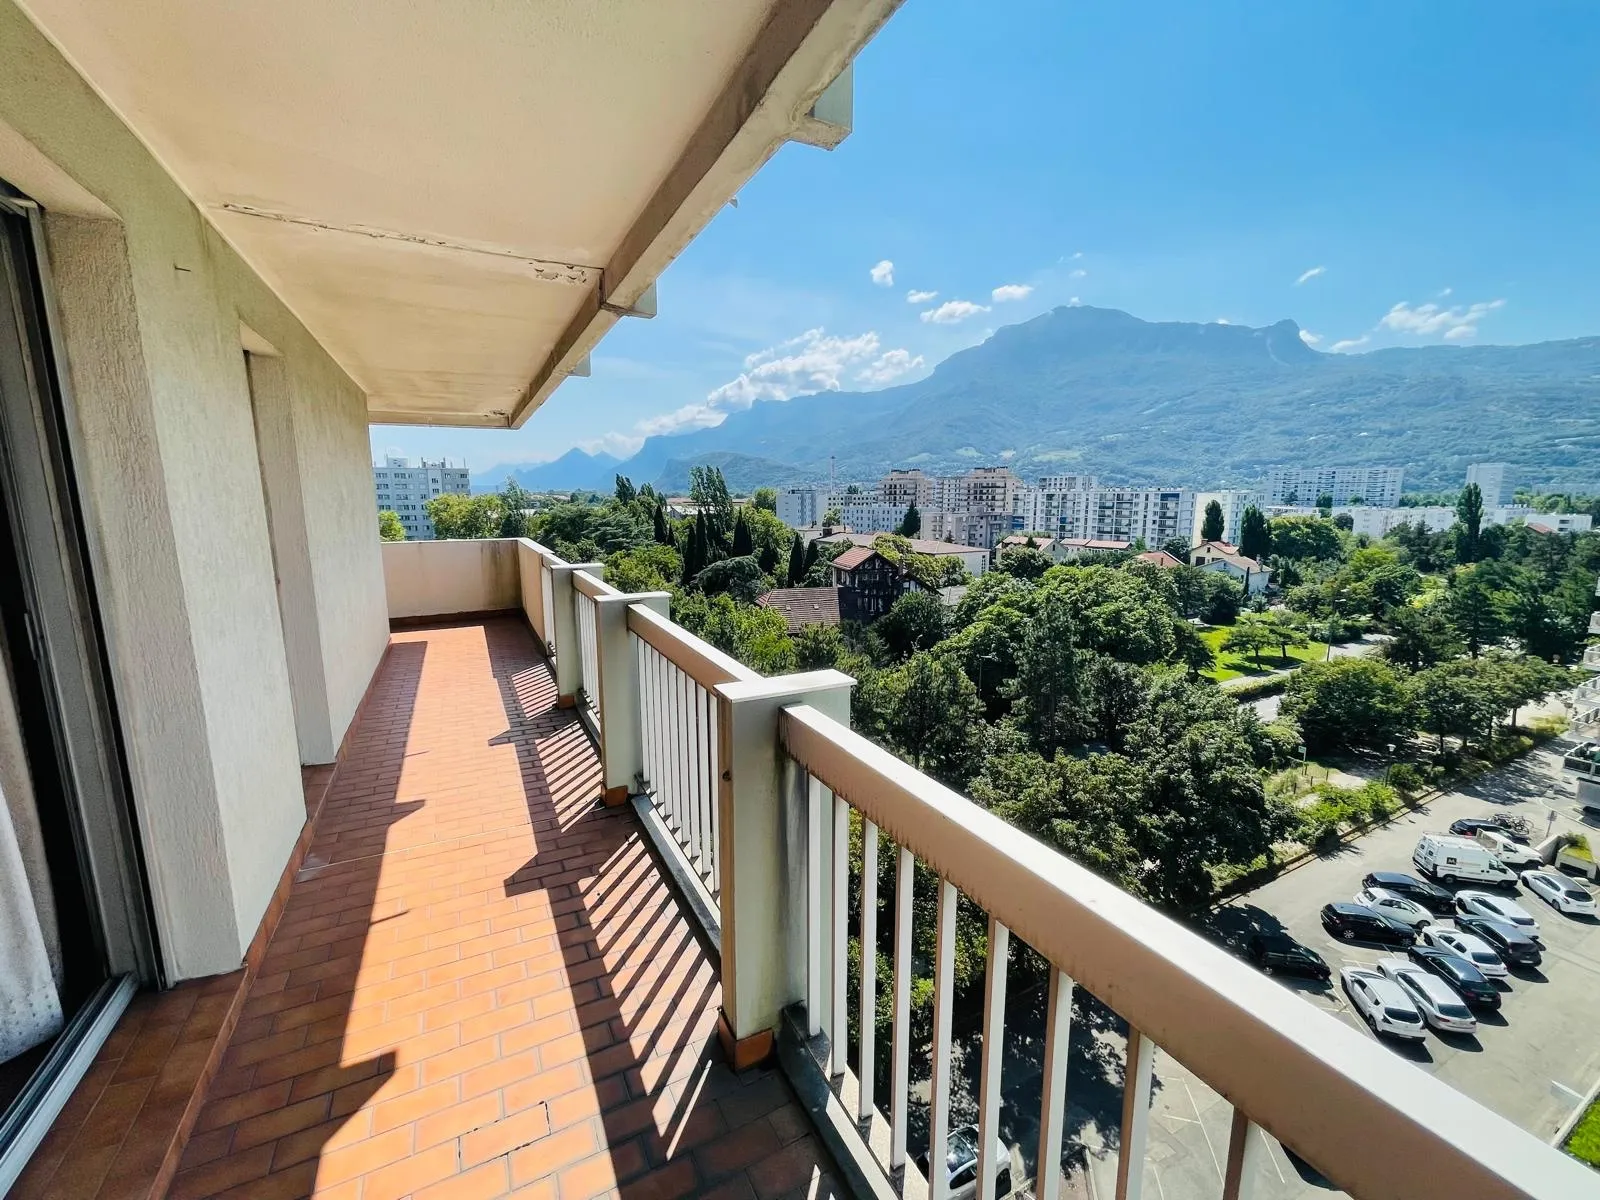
[(1358, 923), (1419, 891), (1473, 985), (1274, 953), (1516, 946), (1469, 826)]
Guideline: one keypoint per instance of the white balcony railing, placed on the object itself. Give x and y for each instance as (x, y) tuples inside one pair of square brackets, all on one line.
[(1594, 622), (1591, 658), (751, 788)]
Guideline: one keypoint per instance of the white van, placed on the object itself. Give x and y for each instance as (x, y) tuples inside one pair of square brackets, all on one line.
[(1511, 854), (1457, 859)]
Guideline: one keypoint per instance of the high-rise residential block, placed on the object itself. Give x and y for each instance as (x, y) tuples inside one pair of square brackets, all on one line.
[(1494, 480), (1078, 506), (404, 488), (1347, 485)]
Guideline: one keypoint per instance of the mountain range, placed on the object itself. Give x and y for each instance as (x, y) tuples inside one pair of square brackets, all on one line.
[(1094, 390)]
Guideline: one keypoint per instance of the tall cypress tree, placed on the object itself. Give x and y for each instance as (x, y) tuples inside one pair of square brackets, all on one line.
[(1255, 536), (743, 543), (1211, 528), (797, 561), (663, 530), (811, 559)]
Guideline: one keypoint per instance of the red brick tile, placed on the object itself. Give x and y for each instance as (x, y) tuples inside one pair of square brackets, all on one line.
[(407, 1176), (482, 1183), (553, 1153)]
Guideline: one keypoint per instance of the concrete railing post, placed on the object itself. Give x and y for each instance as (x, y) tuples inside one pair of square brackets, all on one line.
[(564, 623), (762, 852), (621, 738)]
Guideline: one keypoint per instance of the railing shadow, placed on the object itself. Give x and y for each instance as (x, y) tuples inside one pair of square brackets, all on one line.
[(643, 990)]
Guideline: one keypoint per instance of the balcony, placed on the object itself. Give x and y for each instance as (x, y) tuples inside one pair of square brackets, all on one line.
[(1591, 658), (1594, 622), (727, 807)]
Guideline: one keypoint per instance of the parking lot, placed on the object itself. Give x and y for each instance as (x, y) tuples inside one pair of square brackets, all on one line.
[(1529, 1062)]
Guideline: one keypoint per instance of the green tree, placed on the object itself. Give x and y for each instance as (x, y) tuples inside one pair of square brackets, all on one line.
[(625, 491), (1251, 635), (739, 576), (1325, 504), (756, 636), (1474, 610), (516, 502), (457, 517), (831, 519), (797, 561), (1211, 528), (709, 491), (1469, 518), (916, 621), (765, 498), (1453, 701), (1023, 562), (1046, 692), (647, 568), (1348, 702), (1304, 539), (911, 524), (1288, 631), (932, 717), (389, 527), (743, 544), (1178, 548), (1420, 637), (818, 647), (663, 530), (1255, 537), (1114, 695)]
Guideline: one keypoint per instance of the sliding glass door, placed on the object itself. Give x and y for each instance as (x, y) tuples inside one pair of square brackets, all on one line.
[(75, 928)]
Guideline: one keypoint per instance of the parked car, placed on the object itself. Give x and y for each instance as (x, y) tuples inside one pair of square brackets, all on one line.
[(1357, 922), (1383, 1004), (961, 1164), (1496, 908), (1459, 859), (1468, 946), (1459, 973), (1441, 1005), (1513, 826), (1508, 850), (1275, 953), (1560, 892), (1397, 908), (1419, 891), (1515, 945)]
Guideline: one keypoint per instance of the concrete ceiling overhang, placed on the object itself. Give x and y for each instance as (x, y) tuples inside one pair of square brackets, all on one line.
[(460, 197)]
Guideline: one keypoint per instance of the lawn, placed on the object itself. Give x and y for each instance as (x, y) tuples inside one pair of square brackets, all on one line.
[(1584, 1141), (1231, 666)]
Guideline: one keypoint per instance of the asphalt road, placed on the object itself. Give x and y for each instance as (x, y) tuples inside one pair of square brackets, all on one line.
[(1529, 1064)]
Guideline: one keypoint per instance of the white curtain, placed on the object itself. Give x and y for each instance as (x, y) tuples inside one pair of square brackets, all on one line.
[(30, 945)]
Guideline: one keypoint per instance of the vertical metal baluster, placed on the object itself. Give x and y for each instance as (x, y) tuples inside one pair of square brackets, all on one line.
[(1244, 1149), (994, 1032), (714, 825), (814, 928), (900, 1055), (839, 1034), (1053, 1107), (869, 966), (1135, 1115), (944, 986)]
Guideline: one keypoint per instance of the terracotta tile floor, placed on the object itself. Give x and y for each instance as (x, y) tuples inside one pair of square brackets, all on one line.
[(481, 984)]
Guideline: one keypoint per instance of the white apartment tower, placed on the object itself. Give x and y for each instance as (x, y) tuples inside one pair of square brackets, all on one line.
[(1494, 481), (1078, 506), (404, 488), (1379, 486), (1234, 502)]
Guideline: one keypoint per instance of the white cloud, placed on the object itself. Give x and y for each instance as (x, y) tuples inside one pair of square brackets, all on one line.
[(1456, 323), (1440, 295), (1011, 291), (618, 445), (952, 311), (1222, 321), (1350, 344), (1306, 276), (916, 297), (1078, 254), (883, 274), (1078, 273), (816, 361), (1074, 302), (1309, 338), (889, 366)]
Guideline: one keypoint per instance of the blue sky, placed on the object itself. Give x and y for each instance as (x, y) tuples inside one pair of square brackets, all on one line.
[(1179, 161)]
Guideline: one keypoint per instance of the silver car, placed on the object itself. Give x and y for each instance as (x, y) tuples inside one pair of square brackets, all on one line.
[(1497, 908), (1441, 1005)]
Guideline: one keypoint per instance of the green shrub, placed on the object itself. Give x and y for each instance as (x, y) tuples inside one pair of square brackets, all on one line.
[(1255, 689), (1577, 845), (1584, 1141), (1406, 779)]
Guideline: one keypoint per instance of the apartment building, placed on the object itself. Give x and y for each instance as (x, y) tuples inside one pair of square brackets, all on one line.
[(975, 509), (1233, 501), (1379, 486), (1078, 506), (1495, 481), (404, 488)]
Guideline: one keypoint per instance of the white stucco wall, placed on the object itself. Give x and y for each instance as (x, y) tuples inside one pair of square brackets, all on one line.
[(439, 578), (151, 308)]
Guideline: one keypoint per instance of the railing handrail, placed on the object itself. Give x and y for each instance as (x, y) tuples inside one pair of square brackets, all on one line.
[(700, 660), (592, 586), (1256, 1043), (544, 552)]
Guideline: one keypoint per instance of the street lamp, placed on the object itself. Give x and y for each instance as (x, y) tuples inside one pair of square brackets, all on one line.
[(1388, 765)]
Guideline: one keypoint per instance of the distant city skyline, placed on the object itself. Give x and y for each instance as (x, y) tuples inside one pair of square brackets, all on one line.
[(1209, 163)]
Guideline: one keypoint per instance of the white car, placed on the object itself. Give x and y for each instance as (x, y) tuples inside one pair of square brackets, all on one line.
[(1511, 853), (1497, 908), (1383, 1004), (1441, 1005), (1393, 904), (1560, 892), (1468, 946)]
